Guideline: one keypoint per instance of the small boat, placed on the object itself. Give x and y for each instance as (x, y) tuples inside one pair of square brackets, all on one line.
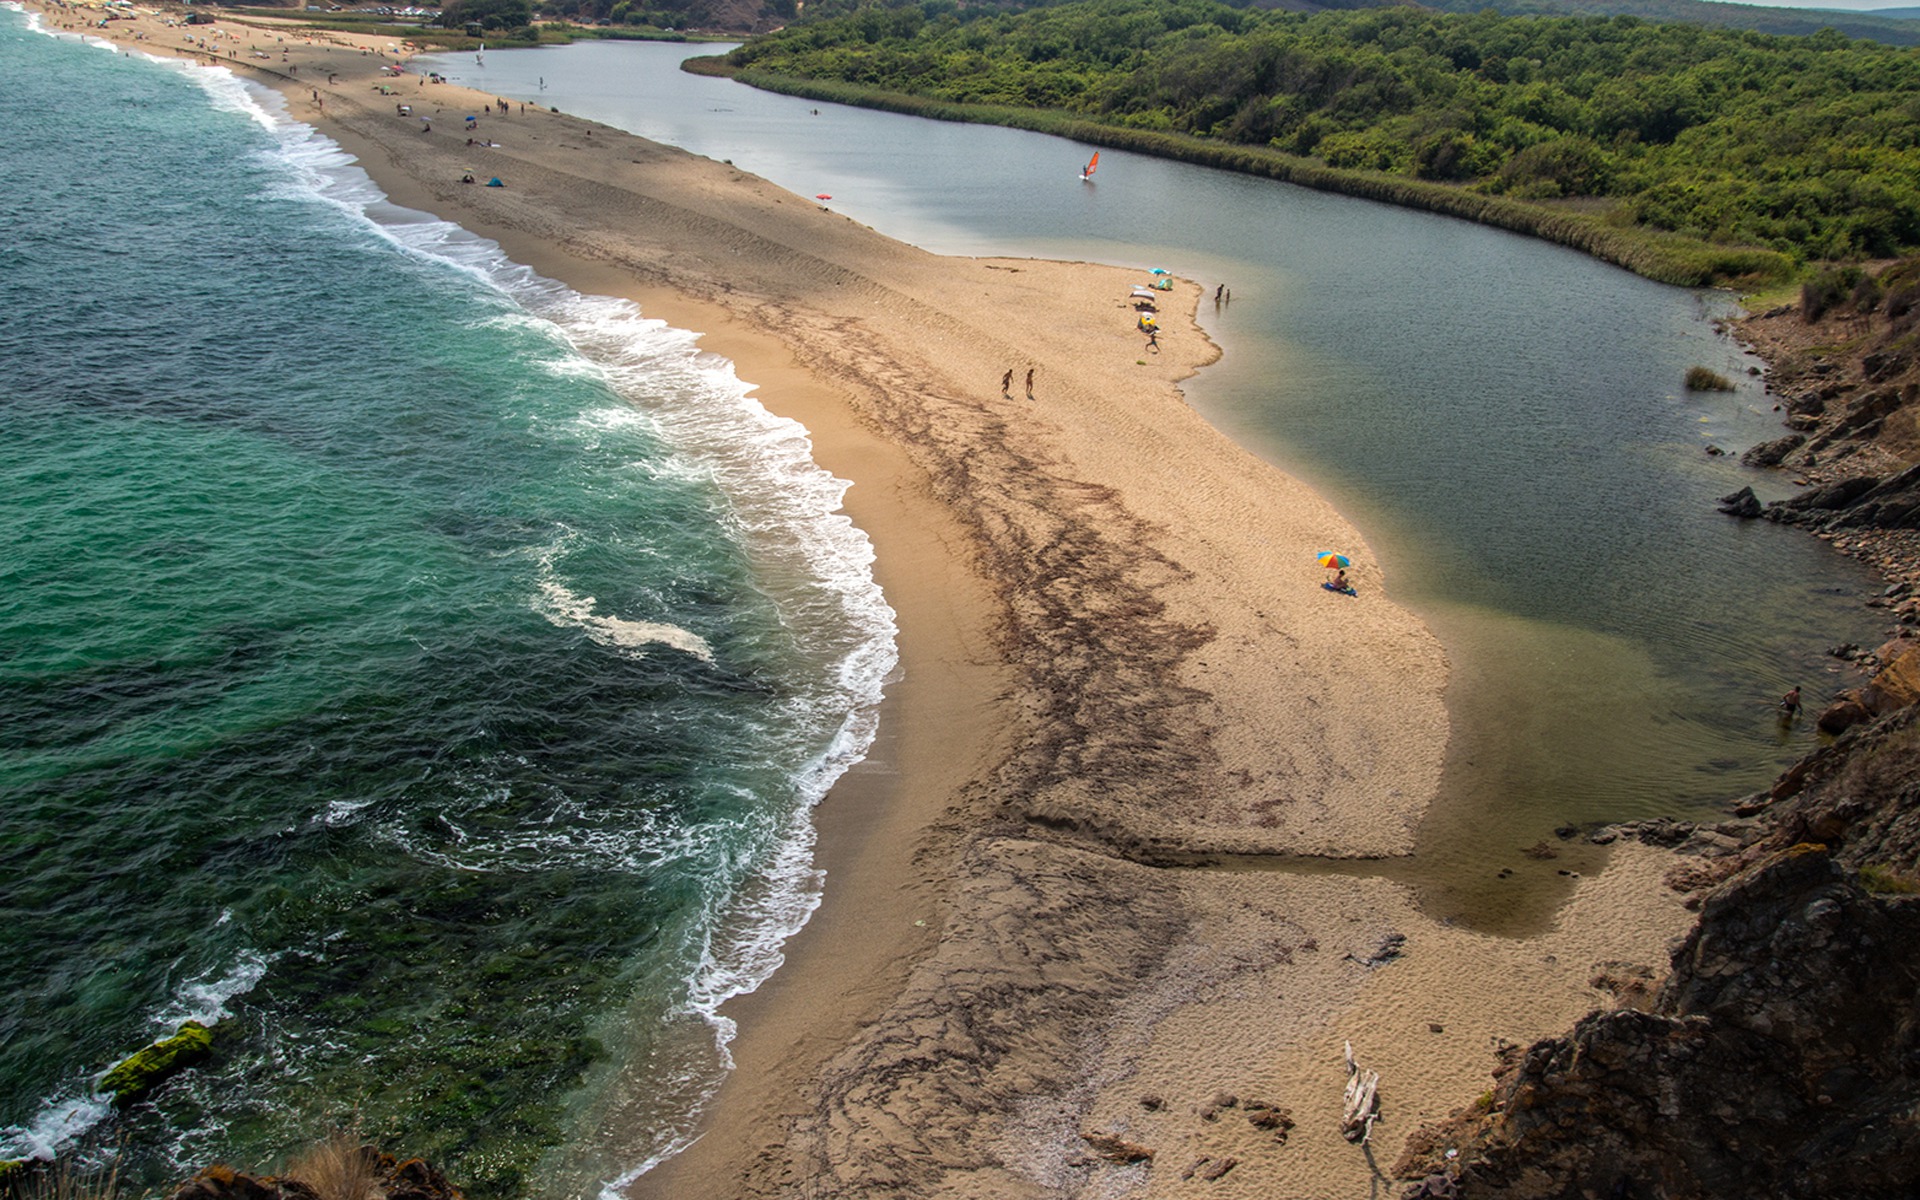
[(1092, 164)]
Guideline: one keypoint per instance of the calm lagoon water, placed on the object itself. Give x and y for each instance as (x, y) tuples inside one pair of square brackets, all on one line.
[(1502, 418)]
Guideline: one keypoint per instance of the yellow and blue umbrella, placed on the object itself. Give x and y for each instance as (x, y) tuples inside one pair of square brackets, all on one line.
[(1332, 561)]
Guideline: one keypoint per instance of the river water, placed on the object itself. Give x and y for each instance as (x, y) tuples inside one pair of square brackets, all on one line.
[(1503, 418)]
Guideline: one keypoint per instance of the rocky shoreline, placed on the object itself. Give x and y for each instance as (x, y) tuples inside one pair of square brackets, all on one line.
[(1778, 1055), (1846, 379)]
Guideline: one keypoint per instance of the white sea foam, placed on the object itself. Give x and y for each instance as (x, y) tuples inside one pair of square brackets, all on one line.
[(204, 998), (66, 1119), (561, 605), (58, 1124), (782, 506)]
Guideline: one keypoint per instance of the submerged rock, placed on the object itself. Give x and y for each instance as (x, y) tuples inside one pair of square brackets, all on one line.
[(1743, 504), (134, 1077)]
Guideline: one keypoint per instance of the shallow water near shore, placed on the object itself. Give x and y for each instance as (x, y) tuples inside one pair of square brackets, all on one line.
[(418, 669), (1503, 418)]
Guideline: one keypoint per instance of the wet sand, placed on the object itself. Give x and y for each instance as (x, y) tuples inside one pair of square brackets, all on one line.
[(1116, 656)]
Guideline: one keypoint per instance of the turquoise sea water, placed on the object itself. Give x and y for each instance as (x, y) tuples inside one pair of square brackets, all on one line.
[(417, 668)]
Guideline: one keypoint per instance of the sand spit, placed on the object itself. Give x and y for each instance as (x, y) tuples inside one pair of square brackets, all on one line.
[(1114, 650)]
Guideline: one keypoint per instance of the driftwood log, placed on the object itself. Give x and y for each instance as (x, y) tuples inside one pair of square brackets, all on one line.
[(1363, 1102)]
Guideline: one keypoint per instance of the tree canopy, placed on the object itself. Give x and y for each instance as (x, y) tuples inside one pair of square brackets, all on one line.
[(1807, 145), (488, 14)]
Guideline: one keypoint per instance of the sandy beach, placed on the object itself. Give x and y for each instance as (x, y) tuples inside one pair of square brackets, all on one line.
[(1117, 662)]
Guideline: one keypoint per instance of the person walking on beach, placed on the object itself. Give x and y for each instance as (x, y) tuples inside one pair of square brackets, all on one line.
[(1029, 383), (1153, 339), (1006, 384)]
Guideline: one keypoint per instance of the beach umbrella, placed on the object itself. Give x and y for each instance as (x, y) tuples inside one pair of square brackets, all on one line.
[(822, 196), (1161, 271), (1332, 561)]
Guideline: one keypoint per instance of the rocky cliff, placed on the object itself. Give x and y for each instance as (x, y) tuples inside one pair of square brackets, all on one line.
[(1781, 1055)]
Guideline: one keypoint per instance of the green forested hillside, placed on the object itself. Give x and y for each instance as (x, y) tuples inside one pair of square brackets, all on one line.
[(1809, 146), (1880, 25)]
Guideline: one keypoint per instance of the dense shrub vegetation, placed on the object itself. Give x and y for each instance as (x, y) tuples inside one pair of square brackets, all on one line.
[(488, 14), (1808, 145), (1880, 24)]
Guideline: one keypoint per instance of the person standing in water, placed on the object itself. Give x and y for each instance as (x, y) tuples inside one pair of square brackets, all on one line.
[(1790, 704)]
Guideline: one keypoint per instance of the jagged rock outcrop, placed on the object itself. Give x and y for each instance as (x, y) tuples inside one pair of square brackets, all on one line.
[(1864, 502), (221, 1182), (1771, 454), (1896, 685), (1781, 1055), (365, 1171)]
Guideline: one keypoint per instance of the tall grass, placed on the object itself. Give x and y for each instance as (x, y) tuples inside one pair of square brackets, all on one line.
[(66, 1182), (339, 1168), (1706, 379), (1886, 881)]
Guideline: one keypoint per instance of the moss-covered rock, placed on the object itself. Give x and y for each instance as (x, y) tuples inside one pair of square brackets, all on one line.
[(133, 1078)]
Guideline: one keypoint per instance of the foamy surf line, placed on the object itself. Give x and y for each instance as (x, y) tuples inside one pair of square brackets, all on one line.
[(782, 506), (66, 1119)]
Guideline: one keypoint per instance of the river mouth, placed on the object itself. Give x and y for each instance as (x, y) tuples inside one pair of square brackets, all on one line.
[(1505, 421)]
